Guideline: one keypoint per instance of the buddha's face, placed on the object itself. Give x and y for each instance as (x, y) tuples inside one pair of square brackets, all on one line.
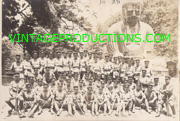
[(132, 13)]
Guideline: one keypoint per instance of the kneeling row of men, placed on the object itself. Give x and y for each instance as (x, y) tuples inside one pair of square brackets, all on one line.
[(96, 96)]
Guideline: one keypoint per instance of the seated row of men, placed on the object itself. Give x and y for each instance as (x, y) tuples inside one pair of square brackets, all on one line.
[(90, 94)]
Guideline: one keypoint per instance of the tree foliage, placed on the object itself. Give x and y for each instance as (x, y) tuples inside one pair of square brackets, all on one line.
[(158, 13), (40, 17), (44, 16)]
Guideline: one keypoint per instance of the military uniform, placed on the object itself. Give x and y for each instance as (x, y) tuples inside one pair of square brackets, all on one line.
[(97, 83), (83, 65), (69, 58), (50, 64), (78, 100), (107, 68), (91, 84), (151, 97), (75, 79), (139, 97), (69, 101), (109, 82), (29, 101), (17, 66), (172, 68), (58, 63), (123, 69), (59, 96), (120, 60), (156, 86), (100, 101), (90, 61), (96, 68), (66, 63), (75, 64), (37, 76), (27, 68), (100, 60), (15, 91), (126, 99), (132, 86), (45, 99), (112, 99), (86, 55), (16, 87), (61, 80), (147, 68), (69, 85), (86, 79), (166, 97), (53, 86), (82, 87), (116, 86), (42, 59), (35, 62), (137, 70), (38, 89), (130, 70), (48, 76), (89, 100), (145, 80), (116, 70)]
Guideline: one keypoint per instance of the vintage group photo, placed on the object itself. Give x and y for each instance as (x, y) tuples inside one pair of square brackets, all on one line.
[(89, 80)]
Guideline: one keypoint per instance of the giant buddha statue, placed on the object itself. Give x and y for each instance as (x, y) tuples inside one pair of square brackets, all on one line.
[(131, 24)]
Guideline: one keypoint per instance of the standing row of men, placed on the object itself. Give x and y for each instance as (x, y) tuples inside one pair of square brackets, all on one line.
[(87, 84)]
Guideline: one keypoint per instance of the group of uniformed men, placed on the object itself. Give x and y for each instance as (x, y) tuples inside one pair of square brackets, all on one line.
[(88, 84)]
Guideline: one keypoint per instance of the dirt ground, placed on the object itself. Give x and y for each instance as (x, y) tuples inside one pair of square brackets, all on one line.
[(46, 115)]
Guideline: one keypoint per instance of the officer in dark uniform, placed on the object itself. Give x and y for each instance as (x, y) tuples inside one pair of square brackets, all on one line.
[(166, 97), (172, 68)]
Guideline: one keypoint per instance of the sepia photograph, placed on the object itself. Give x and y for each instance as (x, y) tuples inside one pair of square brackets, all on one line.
[(113, 60)]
